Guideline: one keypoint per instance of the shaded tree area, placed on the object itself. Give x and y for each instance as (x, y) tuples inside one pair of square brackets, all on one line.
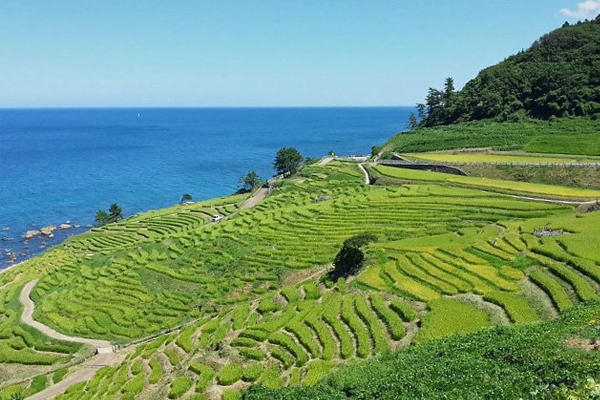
[(350, 259), (249, 181), (558, 76), (287, 160), (114, 214)]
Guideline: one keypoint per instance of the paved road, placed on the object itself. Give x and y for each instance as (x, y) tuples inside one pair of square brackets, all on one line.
[(580, 202), (367, 180), (256, 198), (82, 372), (325, 161)]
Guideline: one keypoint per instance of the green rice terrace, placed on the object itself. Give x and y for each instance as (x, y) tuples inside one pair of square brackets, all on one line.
[(200, 310)]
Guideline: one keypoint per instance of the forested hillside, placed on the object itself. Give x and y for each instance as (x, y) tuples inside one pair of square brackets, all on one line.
[(558, 76)]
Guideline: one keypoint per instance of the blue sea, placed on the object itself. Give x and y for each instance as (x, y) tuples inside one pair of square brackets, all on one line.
[(59, 165)]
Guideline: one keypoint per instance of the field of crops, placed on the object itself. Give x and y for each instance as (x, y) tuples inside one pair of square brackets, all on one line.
[(493, 184), (494, 158), (245, 292)]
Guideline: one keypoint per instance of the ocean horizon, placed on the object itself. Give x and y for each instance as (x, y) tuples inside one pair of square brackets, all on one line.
[(61, 165)]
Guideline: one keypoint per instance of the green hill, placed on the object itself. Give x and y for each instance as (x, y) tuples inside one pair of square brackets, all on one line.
[(558, 76)]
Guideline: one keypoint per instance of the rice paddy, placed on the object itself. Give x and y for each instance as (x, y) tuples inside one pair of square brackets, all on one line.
[(464, 158), (486, 183), (240, 302)]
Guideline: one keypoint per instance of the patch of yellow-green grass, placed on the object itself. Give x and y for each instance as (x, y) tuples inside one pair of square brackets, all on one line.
[(371, 277), (449, 317), (512, 186), (489, 158), (467, 236)]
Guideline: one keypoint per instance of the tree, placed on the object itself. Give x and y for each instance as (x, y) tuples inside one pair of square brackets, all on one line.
[(413, 123), (350, 259), (422, 112), (102, 217), (250, 181), (375, 150), (287, 161), (449, 90), (186, 197), (115, 212)]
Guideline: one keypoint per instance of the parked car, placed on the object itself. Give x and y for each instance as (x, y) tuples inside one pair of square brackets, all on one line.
[(217, 218)]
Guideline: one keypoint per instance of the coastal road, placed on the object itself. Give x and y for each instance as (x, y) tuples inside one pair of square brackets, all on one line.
[(80, 373), (256, 198), (325, 161)]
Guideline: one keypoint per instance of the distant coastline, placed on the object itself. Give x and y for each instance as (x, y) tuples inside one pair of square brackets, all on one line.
[(65, 164)]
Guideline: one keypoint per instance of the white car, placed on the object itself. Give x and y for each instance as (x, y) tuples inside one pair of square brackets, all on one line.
[(217, 218)]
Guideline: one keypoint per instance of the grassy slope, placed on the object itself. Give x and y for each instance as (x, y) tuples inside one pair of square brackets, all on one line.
[(501, 363), (137, 287), (563, 136)]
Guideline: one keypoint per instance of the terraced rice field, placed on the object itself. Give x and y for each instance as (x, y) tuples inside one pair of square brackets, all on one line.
[(486, 183), (245, 298), (496, 158)]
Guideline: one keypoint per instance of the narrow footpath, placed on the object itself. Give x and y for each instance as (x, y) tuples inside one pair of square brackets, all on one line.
[(83, 372)]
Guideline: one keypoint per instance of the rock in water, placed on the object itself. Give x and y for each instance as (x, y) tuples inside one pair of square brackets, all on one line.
[(30, 234), (47, 231), (65, 226)]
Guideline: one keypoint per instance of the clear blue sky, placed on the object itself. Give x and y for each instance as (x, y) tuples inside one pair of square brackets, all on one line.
[(257, 52)]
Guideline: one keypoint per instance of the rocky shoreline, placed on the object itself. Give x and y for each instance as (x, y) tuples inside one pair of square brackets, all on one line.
[(24, 246)]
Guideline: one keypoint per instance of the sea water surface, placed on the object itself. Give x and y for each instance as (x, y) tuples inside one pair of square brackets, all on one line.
[(59, 165)]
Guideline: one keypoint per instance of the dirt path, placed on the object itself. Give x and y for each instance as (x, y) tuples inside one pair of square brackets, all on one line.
[(82, 372), (27, 318), (367, 179)]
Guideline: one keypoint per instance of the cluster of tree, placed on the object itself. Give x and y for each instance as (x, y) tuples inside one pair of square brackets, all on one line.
[(558, 76), (113, 214), (249, 181), (287, 160), (351, 258)]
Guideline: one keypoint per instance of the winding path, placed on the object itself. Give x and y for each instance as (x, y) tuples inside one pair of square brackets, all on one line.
[(85, 371), (27, 318)]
